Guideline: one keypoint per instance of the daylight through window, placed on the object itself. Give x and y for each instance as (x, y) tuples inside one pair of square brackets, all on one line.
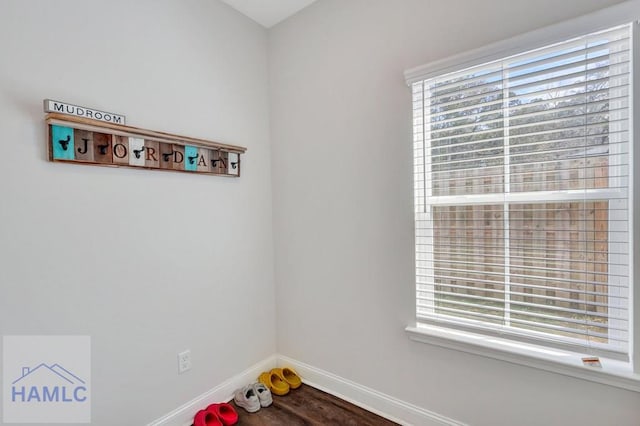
[(522, 171)]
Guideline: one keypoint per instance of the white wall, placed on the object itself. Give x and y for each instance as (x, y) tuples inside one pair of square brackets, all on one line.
[(343, 208), (146, 263)]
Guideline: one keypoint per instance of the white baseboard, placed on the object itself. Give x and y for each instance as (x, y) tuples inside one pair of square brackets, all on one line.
[(377, 402), (371, 400), (183, 415)]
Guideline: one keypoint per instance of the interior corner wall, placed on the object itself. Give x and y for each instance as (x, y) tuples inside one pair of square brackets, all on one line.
[(343, 208), (147, 263)]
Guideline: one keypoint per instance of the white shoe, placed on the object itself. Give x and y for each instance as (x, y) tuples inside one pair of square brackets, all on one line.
[(264, 394), (247, 398)]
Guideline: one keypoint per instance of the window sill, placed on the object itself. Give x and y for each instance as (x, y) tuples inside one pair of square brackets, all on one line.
[(613, 372)]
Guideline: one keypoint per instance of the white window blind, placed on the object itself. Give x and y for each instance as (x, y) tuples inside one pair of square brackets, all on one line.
[(522, 171)]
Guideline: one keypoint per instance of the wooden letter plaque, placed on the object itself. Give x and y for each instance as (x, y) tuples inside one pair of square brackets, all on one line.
[(85, 141)]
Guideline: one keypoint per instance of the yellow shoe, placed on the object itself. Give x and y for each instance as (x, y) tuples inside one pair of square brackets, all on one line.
[(264, 379), (289, 376), (275, 383)]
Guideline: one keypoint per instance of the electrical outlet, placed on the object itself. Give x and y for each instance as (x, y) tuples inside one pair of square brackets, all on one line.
[(184, 361)]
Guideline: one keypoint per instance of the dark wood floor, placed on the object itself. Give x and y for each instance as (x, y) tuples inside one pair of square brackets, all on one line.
[(309, 406)]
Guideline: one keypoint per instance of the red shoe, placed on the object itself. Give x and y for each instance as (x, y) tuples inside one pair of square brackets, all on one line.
[(206, 418), (225, 412)]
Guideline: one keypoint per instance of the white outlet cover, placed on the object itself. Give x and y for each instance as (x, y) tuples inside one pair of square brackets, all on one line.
[(184, 361)]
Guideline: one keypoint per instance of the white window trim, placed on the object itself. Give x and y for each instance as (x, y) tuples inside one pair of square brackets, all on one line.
[(603, 19), (613, 372)]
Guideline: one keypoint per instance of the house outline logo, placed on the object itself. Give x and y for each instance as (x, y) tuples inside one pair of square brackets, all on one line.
[(55, 369), (61, 385), (46, 379)]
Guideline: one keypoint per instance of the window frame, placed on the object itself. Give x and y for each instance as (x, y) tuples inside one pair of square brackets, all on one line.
[(520, 350), (506, 198)]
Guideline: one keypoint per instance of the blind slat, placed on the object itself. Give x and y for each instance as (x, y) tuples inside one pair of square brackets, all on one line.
[(588, 87), (536, 306), (549, 299), (528, 286), (537, 324), (583, 138), (554, 56), (475, 134)]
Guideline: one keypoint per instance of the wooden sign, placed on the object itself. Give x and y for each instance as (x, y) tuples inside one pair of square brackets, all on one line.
[(86, 141), (78, 111)]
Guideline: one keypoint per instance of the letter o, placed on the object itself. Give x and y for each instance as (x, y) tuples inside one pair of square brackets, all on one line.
[(119, 150), (98, 115)]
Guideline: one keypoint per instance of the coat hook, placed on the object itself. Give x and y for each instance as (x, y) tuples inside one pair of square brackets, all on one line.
[(64, 143), (137, 152), (215, 162)]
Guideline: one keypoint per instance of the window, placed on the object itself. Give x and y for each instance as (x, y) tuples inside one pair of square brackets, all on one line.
[(522, 185)]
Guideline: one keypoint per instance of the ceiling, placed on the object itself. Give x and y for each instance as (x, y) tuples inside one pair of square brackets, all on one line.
[(268, 12)]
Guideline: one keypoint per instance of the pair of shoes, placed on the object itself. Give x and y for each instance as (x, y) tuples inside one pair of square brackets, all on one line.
[(280, 380), (252, 397), (221, 414)]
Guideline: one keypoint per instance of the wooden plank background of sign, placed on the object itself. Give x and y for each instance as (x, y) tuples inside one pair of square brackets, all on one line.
[(86, 141)]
